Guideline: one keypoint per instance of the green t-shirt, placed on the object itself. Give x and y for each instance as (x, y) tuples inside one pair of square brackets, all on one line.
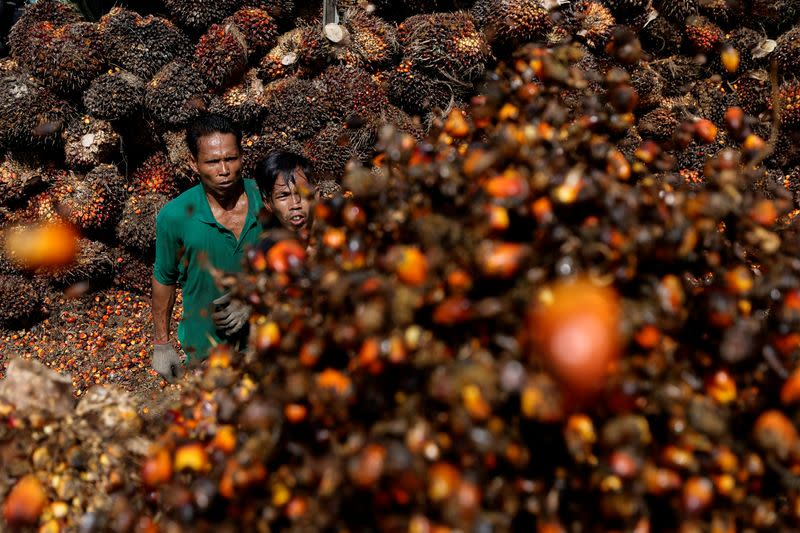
[(189, 240)]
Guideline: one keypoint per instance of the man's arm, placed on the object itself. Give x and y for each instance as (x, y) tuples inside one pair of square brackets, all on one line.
[(163, 302)]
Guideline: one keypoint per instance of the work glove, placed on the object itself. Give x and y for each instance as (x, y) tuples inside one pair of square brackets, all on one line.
[(230, 315), (167, 362)]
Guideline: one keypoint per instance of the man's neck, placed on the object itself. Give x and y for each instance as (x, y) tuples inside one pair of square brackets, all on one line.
[(226, 202)]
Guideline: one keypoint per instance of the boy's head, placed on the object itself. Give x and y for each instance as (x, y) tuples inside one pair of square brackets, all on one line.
[(288, 188)]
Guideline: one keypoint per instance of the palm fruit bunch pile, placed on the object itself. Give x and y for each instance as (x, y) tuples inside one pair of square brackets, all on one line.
[(561, 295), (513, 325)]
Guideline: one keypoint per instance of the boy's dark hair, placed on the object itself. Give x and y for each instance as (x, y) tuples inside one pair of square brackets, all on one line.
[(207, 124), (277, 163)]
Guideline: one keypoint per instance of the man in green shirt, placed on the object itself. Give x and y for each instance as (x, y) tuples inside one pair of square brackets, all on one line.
[(206, 227)]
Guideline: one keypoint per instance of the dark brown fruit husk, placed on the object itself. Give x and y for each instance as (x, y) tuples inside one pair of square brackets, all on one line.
[(175, 94), (221, 55), (88, 142), (136, 229), (114, 95)]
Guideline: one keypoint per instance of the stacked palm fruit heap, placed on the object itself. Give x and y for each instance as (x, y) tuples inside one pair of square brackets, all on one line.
[(570, 304)]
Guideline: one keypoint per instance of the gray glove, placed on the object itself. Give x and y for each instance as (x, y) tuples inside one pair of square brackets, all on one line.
[(230, 315), (167, 362)]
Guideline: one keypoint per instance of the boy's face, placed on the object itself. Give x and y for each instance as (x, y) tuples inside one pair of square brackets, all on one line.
[(291, 201)]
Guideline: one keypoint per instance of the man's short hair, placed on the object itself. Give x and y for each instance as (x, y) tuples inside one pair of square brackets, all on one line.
[(208, 124), (277, 163)]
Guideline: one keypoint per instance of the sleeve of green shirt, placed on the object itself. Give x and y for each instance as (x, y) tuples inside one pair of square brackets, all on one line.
[(165, 269)]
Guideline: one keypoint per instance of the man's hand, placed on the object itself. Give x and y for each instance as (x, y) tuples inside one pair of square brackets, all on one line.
[(167, 362), (230, 315)]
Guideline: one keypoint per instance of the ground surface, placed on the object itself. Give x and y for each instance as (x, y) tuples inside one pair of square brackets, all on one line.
[(97, 338)]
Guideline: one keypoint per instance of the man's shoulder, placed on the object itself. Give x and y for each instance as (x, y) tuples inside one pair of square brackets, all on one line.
[(183, 205)]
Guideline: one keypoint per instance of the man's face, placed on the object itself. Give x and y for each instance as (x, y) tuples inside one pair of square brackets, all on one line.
[(291, 201), (218, 162)]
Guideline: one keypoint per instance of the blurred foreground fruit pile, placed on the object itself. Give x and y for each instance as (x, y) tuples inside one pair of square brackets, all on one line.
[(569, 301)]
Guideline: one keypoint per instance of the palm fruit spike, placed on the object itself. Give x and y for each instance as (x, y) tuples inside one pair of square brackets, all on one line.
[(372, 40), (94, 263), (753, 93), (89, 142), (415, 91), (132, 271), (628, 9), (257, 146), (722, 11), (661, 37), (281, 10), (92, 202), (56, 12), (179, 157), (154, 176), (114, 95), (593, 21), (141, 45), (14, 310), (702, 34), (244, 103), (137, 225), (712, 99), (776, 13), (30, 115), (294, 107), (348, 93), (301, 52), (446, 43), (745, 41), (200, 14), (510, 23), (65, 58), (175, 94), (221, 55), (330, 150), (20, 177), (787, 51), (676, 10), (258, 28)]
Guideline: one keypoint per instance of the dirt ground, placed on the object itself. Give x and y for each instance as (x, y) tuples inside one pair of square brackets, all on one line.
[(96, 338)]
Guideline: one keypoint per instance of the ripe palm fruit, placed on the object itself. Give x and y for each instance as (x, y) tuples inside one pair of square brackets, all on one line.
[(92, 202), (65, 58), (702, 34), (155, 176), (373, 41), (141, 45), (175, 94), (221, 55), (510, 23), (244, 103), (114, 95), (137, 225), (789, 103), (94, 263), (417, 92), (712, 99), (448, 44), (349, 93), (676, 10), (258, 27), (294, 107), (576, 333), (593, 22), (200, 14), (56, 12), (301, 52), (30, 115), (16, 311), (89, 142)]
